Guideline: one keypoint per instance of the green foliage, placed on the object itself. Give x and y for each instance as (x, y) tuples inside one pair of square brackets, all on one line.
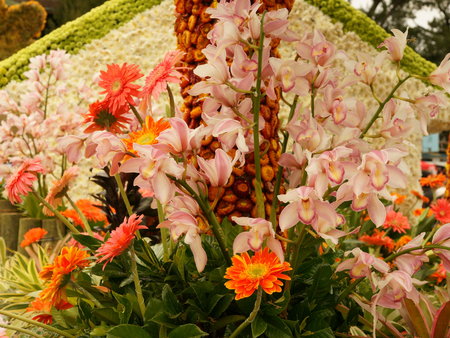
[(19, 25)]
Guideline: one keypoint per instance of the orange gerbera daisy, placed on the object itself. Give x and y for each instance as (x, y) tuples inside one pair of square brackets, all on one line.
[(147, 135), (38, 305), (59, 189), (117, 82), (120, 239), (100, 117), (378, 238), (396, 221), (398, 198), (439, 274), (433, 181), (59, 273), (420, 196), (262, 270), (89, 209), (32, 236), (441, 210)]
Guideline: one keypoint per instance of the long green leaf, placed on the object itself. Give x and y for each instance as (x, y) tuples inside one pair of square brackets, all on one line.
[(441, 324)]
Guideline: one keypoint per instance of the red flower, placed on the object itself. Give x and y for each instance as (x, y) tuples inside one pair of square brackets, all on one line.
[(100, 117), (119, 89), (120, 239), (378, 238), (439, 274), (22, 181), (32, 236), (396, 221), (441, 210)]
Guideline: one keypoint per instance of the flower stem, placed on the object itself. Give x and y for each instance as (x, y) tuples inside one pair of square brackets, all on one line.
[(136, 113), (381, 106), (171, 102), (123, 194), (19, 329), (294, 259), (348, 290), (164, 233), (87, 294), (256, 100), (36, 323), (56, 212), (252, 315), (425, 248), (137, 283), (80, 213)]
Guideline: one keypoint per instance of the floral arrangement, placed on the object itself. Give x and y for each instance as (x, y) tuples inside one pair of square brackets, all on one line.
[(324, 251)]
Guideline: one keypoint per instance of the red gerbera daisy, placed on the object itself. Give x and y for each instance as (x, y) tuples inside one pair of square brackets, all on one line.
[(396, 221), (118, 84), (22, 181), (101, 117), (120, 239), (441, 210)]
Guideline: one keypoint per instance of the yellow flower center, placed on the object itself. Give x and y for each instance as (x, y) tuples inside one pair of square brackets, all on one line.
[(257, 270), (116, 85), (147, 138)]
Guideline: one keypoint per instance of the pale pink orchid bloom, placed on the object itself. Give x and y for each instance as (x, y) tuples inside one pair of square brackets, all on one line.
[(235, 11), (366, 67), (183, 223), (394, 287), (175, 139), (260, 230), (289, 74), (441, 75), (72, 146), (218, 170), (308, 133), (216, 70), (106, 147), (395, 44), (302, 207), (361, 264), (183, 203), (442, 237), (327, 221), (316, 49), (428, 107), (231, 133), (242, 65), (411, 262), (398, 119), (295, 162), (276, 25)]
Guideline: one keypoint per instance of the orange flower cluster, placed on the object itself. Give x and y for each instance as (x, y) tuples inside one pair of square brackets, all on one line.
[(420, 196), (378, 238), (59, 273), (89, 209), (439, 274), (433, 181), (398, 198), (263, 270), (44, 307), (32, 236)]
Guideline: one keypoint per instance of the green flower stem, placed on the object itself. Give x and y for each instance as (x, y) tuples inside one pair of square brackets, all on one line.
[(222, 322), (36, 323), (276, 189), (136, 113), (349, 289), (123, 194), (137, 283), (82, 217), (19, 329), (87, 294), (382, 104), (56, 212), (294, 248), (209, 213), (164, 233), (251, 317), (171, 102), (256, 100), (425, 248)]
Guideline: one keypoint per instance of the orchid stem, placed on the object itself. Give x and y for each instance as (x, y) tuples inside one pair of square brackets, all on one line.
[(256, 100), (137, 283), (164, 232), (80, 213), (348, 290), (56, 212), (36, 323), (251, 317), (425, 248), (171, 101), (19, 329), (295, 247), (123, 194), (136, 113)]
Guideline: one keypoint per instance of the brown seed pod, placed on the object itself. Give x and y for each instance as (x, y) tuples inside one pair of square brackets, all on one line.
[(198, 55), (214, 145), (225, 208), (238, 171), (250, 169), (213, 192), (244, 205), (230, 182), (192, 22), (241, 188), (196, 112), (264, 159), (267, 173), (229, 196), (207, 140)]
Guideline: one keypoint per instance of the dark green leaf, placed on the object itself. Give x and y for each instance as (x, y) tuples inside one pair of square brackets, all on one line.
[(187, 331), (153, 307), (259, 326), (276, 327), (124, 308), (222, 305), (88, 241), (107, 314), (127, 331), (170, 302)]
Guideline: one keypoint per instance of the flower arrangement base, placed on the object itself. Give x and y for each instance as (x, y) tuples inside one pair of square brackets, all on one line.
[(9, 227), (6, 206), (26, 224), (55, 229)]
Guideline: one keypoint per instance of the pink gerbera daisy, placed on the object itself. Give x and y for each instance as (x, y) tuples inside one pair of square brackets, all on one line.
[(118, 84), (441, 210), (163, 73), (22, 181), (396, 221), (120, 239)]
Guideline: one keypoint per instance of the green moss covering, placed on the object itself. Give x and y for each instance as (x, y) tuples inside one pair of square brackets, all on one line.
[(75, 34), (370, 32)]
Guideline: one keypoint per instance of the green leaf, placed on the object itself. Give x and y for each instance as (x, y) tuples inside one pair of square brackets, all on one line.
[(417, 318), (2, 251), (124, 308), (230, 231), (153, 307), (276, 327), (170, 301), (107, 315), (179, 260), (127, 331), (221, 306), (88, 241), (259, 326), (322, 282), (187, 331), (324, 333), (440, 324)]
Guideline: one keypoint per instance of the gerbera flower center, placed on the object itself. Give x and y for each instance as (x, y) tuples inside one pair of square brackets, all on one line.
[(116, 85), (257, 270), (105, 119)]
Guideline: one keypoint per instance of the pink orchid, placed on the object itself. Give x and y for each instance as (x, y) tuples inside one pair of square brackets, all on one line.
[(302, 207), (327, 221), (295, 162), (367, 68), (72, 146), (442, 237), (316, 49), (411, 262), (395, 44), (217, 170), (428, 107), (260, 230), (181, 222), (176, 139), (398, 119), (289, 74), (394, 287), (441, 75), (360, 266), (276, 25)]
